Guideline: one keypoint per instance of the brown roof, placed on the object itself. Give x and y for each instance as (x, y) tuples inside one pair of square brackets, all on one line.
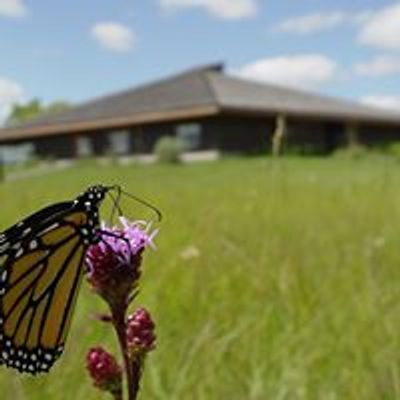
[(195, 93), (239, 94)]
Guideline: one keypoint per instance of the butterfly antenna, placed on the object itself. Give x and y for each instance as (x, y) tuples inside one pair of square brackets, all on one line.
[(116, 201), (144, 202)]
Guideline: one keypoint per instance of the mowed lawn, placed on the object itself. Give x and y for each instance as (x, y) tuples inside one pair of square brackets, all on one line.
[(273, 279)]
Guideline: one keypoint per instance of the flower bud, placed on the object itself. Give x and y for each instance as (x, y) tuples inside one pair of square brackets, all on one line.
[(140, 332), (104, 370)]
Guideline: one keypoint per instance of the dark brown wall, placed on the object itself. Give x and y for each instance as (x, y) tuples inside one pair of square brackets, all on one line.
[(239, 134), (55, 146), (314, 136), (100, 142), (145, 137), (378, 134), (234, 134), (228, 133)]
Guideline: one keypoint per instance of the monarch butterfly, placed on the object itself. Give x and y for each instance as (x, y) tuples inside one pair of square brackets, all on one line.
[(41, 266)]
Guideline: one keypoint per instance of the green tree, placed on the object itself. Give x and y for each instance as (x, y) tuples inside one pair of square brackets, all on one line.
[(57, 106), (23, 112), (34, 108)]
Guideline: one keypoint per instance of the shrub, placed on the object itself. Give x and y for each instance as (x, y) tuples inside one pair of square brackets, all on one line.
[(169, 150), (393, 150), (354, 151)]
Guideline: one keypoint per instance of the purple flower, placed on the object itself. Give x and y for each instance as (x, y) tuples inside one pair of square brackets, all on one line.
[(114, 263), (104, 370), (114, 269)]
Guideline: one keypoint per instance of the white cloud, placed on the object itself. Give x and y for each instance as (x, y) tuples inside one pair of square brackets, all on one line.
[(382, 28), (12, 8), (312, 23), (304, 71), (322, 21), (379, 66), (10, 93), (114, 36), (363, 16), (383, 101), (226, 9)]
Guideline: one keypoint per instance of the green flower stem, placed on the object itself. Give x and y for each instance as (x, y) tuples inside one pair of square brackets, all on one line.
[(118, 314)]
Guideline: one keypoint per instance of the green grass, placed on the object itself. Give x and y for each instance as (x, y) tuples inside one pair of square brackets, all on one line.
[(294, 294)]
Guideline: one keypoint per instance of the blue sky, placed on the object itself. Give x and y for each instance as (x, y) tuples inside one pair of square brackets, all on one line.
[(74, 50)]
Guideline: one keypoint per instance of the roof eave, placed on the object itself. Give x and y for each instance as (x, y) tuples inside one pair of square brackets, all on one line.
[(17, 134)]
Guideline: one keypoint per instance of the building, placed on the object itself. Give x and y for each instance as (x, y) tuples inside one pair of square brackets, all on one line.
[(207, 109)]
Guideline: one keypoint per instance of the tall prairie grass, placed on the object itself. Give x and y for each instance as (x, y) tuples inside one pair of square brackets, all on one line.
[(273, 279)]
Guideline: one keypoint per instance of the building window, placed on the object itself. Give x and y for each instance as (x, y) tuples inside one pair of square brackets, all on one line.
[(84, 146), (119, 142), (190, 134), (14, 154)]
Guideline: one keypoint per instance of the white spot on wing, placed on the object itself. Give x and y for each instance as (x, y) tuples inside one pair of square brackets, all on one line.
[(19, 252), (4, 275)]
